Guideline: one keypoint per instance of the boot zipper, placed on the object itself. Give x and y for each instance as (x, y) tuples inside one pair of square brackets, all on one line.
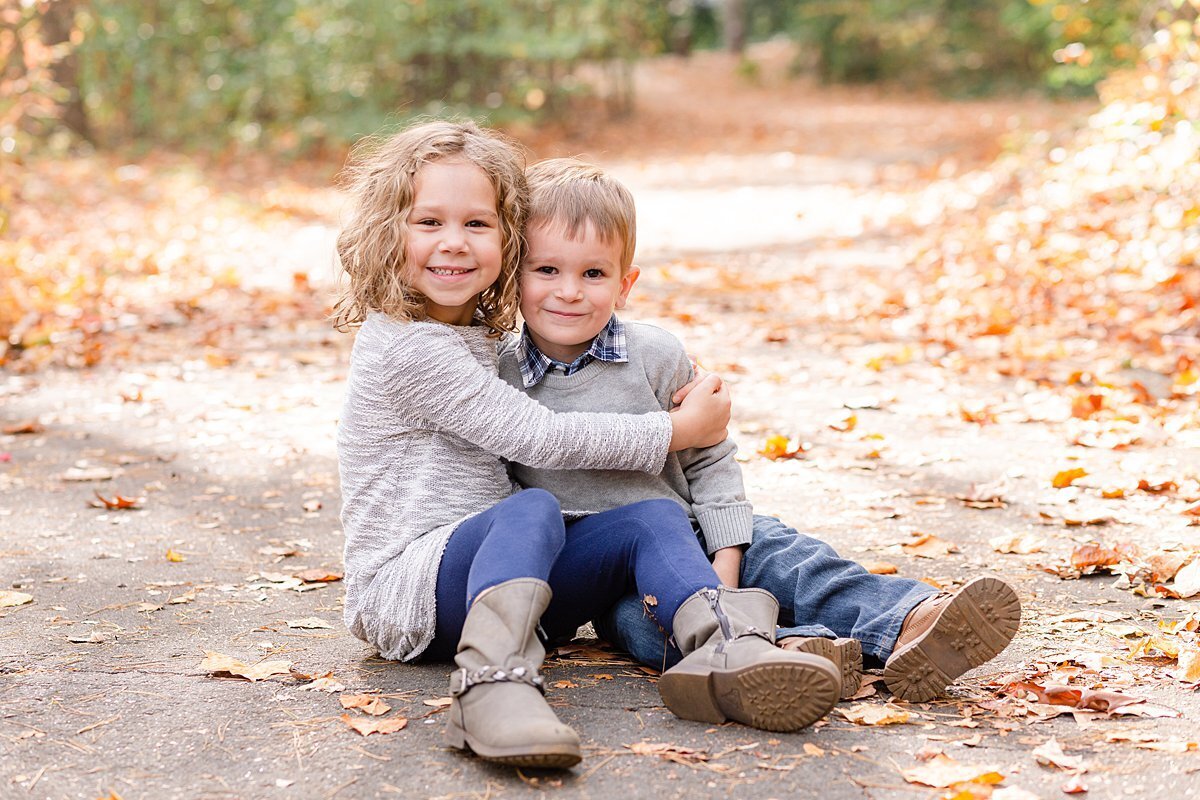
[(713, 596)]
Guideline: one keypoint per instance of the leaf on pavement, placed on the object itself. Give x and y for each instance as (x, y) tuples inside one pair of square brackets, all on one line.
[(1187, 580), (844, 423), (986, 495), (26, 427), (929, 546), (116, 502), (778, 447), (880, 567), (1074, 785), (1066, 477), (311, 623), (1050, 754), (172, 555), (874, 714), (10, 599), (220, 664), (366, 726), (669, 752), (439, 702), (318, 575), (942, 771), (366, 703), (1018, 544), (326, 683)]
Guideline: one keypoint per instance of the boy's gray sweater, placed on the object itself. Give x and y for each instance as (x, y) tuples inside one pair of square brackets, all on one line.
[(707, 482)]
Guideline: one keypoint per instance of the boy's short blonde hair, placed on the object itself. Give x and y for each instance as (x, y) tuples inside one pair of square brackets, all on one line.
[(571, 193), (372, 245)]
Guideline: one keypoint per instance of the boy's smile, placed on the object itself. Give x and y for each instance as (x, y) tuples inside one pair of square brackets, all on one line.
[(570, 288)]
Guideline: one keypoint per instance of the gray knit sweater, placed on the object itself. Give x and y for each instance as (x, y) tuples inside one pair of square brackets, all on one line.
[(422, 431), (706, 482)]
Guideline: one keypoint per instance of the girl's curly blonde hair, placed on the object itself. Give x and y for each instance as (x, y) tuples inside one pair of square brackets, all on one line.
[(381, 179)]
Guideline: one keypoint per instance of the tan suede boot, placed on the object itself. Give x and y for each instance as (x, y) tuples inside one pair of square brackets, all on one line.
[(732, 669), (949, 634), (499, 711), (846, 655)]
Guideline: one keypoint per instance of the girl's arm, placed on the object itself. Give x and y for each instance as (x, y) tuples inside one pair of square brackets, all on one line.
[(434, 377)]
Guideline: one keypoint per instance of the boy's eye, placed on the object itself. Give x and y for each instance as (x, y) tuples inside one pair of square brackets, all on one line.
[(594, 273)]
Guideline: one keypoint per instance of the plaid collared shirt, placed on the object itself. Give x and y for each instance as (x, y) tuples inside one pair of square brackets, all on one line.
[(609, 345)]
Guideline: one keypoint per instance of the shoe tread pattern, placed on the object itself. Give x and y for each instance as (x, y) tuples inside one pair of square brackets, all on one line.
[(781, 697), (972, 629)]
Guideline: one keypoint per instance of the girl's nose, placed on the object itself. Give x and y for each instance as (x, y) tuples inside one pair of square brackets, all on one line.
[(452, 240)]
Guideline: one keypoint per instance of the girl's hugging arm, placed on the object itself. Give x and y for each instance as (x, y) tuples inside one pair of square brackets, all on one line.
[(433, 376)]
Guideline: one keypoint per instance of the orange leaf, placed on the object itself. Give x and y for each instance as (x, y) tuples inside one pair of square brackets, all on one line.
[(173, 556), (117, 502), (1067, 477), (779, 447)]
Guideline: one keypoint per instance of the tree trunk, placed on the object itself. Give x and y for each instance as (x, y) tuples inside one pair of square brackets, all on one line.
[(58, 20), (735, 26)]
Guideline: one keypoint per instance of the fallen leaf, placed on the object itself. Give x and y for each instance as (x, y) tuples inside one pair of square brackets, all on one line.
[(1050, 754), (9, 598), (311, 623), (311, 506), (117, 502), (439, 702), (83, 474), (368, 704), (778, 447), (929, 546), (1067, 477), (318, 575), (220, 664), (943, 771), (986, 495), (880, 567), (874, 714), (1019, 544), (812, 750), (1187, 580), (1074, 785), (327, 684), (845, 423), (1188, 660), (669, 752), (564, 684), (366, 726), (171, 555), (20, 428), (1160, 487)]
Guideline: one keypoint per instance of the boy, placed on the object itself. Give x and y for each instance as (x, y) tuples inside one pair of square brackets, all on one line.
[(575, 355)]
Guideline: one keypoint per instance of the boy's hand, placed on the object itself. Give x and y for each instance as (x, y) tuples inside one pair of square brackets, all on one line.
[(701, 419), (727, 563)]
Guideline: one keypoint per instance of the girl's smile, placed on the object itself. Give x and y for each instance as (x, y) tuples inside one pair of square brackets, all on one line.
[(454, 243)]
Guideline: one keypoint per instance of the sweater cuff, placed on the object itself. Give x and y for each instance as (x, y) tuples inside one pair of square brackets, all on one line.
[(727, 526), (662, 445)]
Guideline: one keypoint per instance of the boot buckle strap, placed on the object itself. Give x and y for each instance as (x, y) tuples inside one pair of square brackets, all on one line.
[(461, 680)]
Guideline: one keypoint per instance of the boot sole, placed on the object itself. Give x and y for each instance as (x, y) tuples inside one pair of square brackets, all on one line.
[(846, 655), (547, 756), (971, 630), (784, 695)]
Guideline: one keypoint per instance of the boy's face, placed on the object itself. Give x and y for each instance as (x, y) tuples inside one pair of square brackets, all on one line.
[(570, 288)]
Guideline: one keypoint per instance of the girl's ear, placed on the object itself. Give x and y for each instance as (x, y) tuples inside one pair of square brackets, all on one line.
[(627, 282)]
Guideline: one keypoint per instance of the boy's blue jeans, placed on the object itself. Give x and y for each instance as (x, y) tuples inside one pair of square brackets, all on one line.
[(590, 564), (819, 592)]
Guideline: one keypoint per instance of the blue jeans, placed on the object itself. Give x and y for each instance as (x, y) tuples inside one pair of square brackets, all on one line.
[(819, 592), (590, 564)]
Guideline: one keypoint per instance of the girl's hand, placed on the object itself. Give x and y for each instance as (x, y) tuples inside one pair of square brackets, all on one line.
[(701, 420)]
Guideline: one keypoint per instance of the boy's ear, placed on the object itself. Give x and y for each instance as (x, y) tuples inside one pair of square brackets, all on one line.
[(627, 282)]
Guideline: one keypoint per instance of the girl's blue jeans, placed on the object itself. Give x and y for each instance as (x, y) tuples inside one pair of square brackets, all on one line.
[(819, 592), (646, 548)]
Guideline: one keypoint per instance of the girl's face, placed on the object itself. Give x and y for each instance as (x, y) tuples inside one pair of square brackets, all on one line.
[(454, 244)]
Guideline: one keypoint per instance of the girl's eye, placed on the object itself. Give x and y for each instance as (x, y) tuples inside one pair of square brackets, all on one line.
[(427, 221), (477, 223), (545, 270)]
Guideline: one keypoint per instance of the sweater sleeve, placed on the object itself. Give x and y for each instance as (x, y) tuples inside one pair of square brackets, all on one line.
[(437, 379), (713, 476)]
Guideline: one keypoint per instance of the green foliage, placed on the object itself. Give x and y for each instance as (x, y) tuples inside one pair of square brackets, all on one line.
[(293, 74), (965, 46)]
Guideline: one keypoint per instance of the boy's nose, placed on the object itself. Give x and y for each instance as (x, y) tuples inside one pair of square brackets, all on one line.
[(570, 290)]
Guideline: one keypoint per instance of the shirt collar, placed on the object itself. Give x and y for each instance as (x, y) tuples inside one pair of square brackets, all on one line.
[(609, 345)]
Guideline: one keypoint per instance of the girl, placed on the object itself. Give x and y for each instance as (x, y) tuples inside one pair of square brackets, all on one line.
[(441, 558)]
